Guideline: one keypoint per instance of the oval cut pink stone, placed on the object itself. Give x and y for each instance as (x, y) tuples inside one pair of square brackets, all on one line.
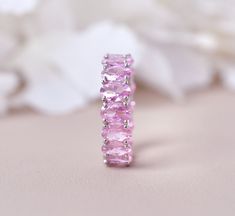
[(112, 134), (117, 116), (108, 115), (115, 92), (112, 105), (118, 71), (120, 161), (119, 60), (117, 123), (116, 150), (118, 89), (108, 93), (124, 114)]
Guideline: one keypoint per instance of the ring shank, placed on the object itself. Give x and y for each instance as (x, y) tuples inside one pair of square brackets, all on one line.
[(117, 92)]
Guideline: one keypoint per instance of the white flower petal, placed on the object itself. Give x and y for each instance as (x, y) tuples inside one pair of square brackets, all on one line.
[(52, 96), (131, 8), (3, 106), (191, 69), (51, 16), (227, 73), (17, 7), (155, 71), (7, 45), (8, 83)]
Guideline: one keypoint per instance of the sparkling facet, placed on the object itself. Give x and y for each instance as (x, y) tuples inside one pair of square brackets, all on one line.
[(113, 160), (114, 134), (116, 150), (119, 60)]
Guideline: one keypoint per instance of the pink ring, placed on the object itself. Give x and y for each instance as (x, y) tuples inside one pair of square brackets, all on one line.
[(117, 111)]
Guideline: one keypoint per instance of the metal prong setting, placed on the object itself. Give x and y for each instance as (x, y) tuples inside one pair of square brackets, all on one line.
[(126, 64), (127, 80), (105, 123), (104, 99), (126, 123), (128, 55), (126, 101), (105, 66), (126, 143), (105, 80), (106, 142), (125, 104), (105, 161), (105, 105), (106, 56)]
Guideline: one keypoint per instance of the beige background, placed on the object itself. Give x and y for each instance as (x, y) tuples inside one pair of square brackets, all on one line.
[(52, 166)]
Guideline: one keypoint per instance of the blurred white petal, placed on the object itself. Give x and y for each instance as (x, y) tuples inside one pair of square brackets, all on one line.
[(227, 73), (174, 70), (131, 11), (131, 8), (8, 83), (7, 45), (191, 69), (51, 96), (3, 106), (155, 71), (50, 16), (17, 7)]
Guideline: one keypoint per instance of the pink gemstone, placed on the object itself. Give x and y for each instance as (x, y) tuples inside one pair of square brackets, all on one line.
[(108, 94), (117, 59), (113, 134), (117, 88), (124, 114), (118, 161), (108, 115), (117, 115), (117, 154), (118, 123), (112, 105), (122, 97), (117, 106), (116, 150), (111, 78), (113, 91), (113, 116), (117, 71)]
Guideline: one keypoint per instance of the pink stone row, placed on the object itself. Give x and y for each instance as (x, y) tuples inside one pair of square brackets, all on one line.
[(117, 111)]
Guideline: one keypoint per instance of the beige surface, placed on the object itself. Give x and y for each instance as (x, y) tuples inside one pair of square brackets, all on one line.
[(184, 162)]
